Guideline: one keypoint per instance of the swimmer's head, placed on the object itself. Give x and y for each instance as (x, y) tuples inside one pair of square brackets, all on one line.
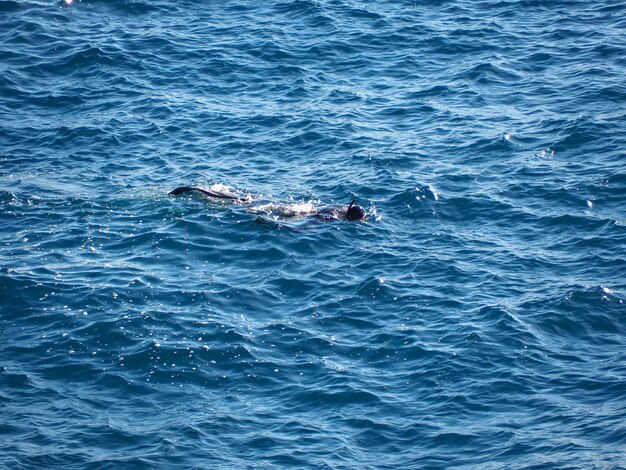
[(355, 212)]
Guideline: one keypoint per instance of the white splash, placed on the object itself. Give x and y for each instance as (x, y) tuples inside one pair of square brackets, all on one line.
[(298, 209)]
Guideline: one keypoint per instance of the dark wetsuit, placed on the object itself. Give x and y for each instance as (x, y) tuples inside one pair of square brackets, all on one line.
[(352, 212), (206, 192)]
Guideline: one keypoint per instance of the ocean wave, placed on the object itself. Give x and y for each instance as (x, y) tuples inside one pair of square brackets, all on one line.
[(479, 305)]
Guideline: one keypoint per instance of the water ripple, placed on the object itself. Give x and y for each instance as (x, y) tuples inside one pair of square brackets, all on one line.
[(475, 318)]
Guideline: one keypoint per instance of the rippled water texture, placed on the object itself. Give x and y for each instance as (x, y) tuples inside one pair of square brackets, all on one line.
[(475, 319)]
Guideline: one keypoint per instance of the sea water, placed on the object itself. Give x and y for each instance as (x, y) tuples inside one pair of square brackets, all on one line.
[(475, 319)]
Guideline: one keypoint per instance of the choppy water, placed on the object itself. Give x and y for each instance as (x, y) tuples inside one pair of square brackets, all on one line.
[(475, 319)]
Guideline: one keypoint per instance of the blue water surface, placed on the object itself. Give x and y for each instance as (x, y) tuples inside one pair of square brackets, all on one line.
[(475, 319)]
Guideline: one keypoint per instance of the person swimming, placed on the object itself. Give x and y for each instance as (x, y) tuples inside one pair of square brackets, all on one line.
[(352, 212)]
